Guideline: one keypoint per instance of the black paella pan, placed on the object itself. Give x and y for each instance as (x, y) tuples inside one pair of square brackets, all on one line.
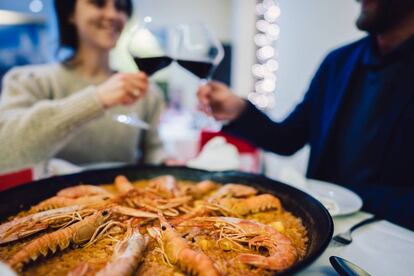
[(314, 216)]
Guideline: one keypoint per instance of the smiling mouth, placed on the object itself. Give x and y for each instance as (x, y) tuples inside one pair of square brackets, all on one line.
[(109, 27), (109, 30)]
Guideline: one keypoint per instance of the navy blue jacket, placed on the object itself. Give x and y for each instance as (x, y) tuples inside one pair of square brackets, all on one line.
[(312, 122)]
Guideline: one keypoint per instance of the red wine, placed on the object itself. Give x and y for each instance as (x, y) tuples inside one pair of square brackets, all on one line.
[(201, 69), (152, 64)]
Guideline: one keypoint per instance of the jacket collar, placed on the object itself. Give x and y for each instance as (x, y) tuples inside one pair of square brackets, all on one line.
[(373, 59)]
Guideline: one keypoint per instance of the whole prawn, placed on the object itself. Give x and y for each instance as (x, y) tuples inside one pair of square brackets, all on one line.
[(232, 190), (123, 185), (201, 188), (76, 233), (282, 253), (83, 190), (244, 206), (127, 255), (165, 185), (177, 251), (22, 227), (61, 201)]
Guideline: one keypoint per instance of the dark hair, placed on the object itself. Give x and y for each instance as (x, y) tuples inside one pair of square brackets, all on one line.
[(68, 35)]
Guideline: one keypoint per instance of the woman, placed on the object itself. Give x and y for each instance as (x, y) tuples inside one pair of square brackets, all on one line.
[(64, 110)]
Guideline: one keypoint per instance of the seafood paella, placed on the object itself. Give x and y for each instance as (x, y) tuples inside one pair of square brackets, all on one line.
[(158, 226)]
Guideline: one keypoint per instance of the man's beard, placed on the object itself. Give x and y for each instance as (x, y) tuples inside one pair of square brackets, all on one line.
[(387, 15)]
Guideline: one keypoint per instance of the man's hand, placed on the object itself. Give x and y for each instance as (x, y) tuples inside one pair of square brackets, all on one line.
[(216, 99)]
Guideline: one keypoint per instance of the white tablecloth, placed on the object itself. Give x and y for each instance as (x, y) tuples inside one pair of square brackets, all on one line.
[(380, 248)]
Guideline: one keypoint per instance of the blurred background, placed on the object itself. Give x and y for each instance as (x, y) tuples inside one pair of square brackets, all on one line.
[(306, 31)]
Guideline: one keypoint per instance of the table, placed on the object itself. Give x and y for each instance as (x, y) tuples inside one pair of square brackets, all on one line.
[(380, 248)]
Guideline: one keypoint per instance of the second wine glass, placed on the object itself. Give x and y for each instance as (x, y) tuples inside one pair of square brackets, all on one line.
[(200, 52)]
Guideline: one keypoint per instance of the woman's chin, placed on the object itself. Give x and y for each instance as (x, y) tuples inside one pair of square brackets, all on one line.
[(106, 42), (106, 45)]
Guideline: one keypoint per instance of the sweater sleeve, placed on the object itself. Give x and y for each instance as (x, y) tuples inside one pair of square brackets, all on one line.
[(33, 125), (152, 146)]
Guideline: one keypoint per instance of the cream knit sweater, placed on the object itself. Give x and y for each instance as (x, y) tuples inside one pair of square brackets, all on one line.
[(51, 111)]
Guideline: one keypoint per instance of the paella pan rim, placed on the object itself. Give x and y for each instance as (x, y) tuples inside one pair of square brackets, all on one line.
[(313, 214)]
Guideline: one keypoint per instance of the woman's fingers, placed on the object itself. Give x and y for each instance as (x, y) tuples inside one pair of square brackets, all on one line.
[(122, 88), (133, 93), (134, 84), (129, 101), (136, 92), (137, 84)]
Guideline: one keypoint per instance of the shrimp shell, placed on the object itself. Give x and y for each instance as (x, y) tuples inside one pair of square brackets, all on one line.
[(123, 185), (77, 233), (61, 201), (127, 255), (201, 188), (282, 253), (166, 185), (233, 190), (25, 226), (177, 251), (254, 204), (83, 190)]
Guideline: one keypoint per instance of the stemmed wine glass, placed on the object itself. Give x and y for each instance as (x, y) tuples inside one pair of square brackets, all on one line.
[(151, 47), (200, 52)]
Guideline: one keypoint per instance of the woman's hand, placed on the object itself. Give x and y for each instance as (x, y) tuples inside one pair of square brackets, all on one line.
[(122, 88), (216, 99)]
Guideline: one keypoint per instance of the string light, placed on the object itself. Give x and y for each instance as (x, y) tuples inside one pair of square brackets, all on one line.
[(264, 70), (36, 6)]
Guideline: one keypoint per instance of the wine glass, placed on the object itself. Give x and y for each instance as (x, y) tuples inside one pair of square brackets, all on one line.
[(200, 52), (151, 46)]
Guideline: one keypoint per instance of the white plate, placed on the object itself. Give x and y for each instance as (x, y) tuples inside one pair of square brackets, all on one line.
[(337, 199), (5, 270)]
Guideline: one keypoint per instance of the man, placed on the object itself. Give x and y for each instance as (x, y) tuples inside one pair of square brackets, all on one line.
[(357, 116)]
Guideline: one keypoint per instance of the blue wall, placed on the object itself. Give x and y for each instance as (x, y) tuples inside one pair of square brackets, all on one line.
[(47, 13)]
